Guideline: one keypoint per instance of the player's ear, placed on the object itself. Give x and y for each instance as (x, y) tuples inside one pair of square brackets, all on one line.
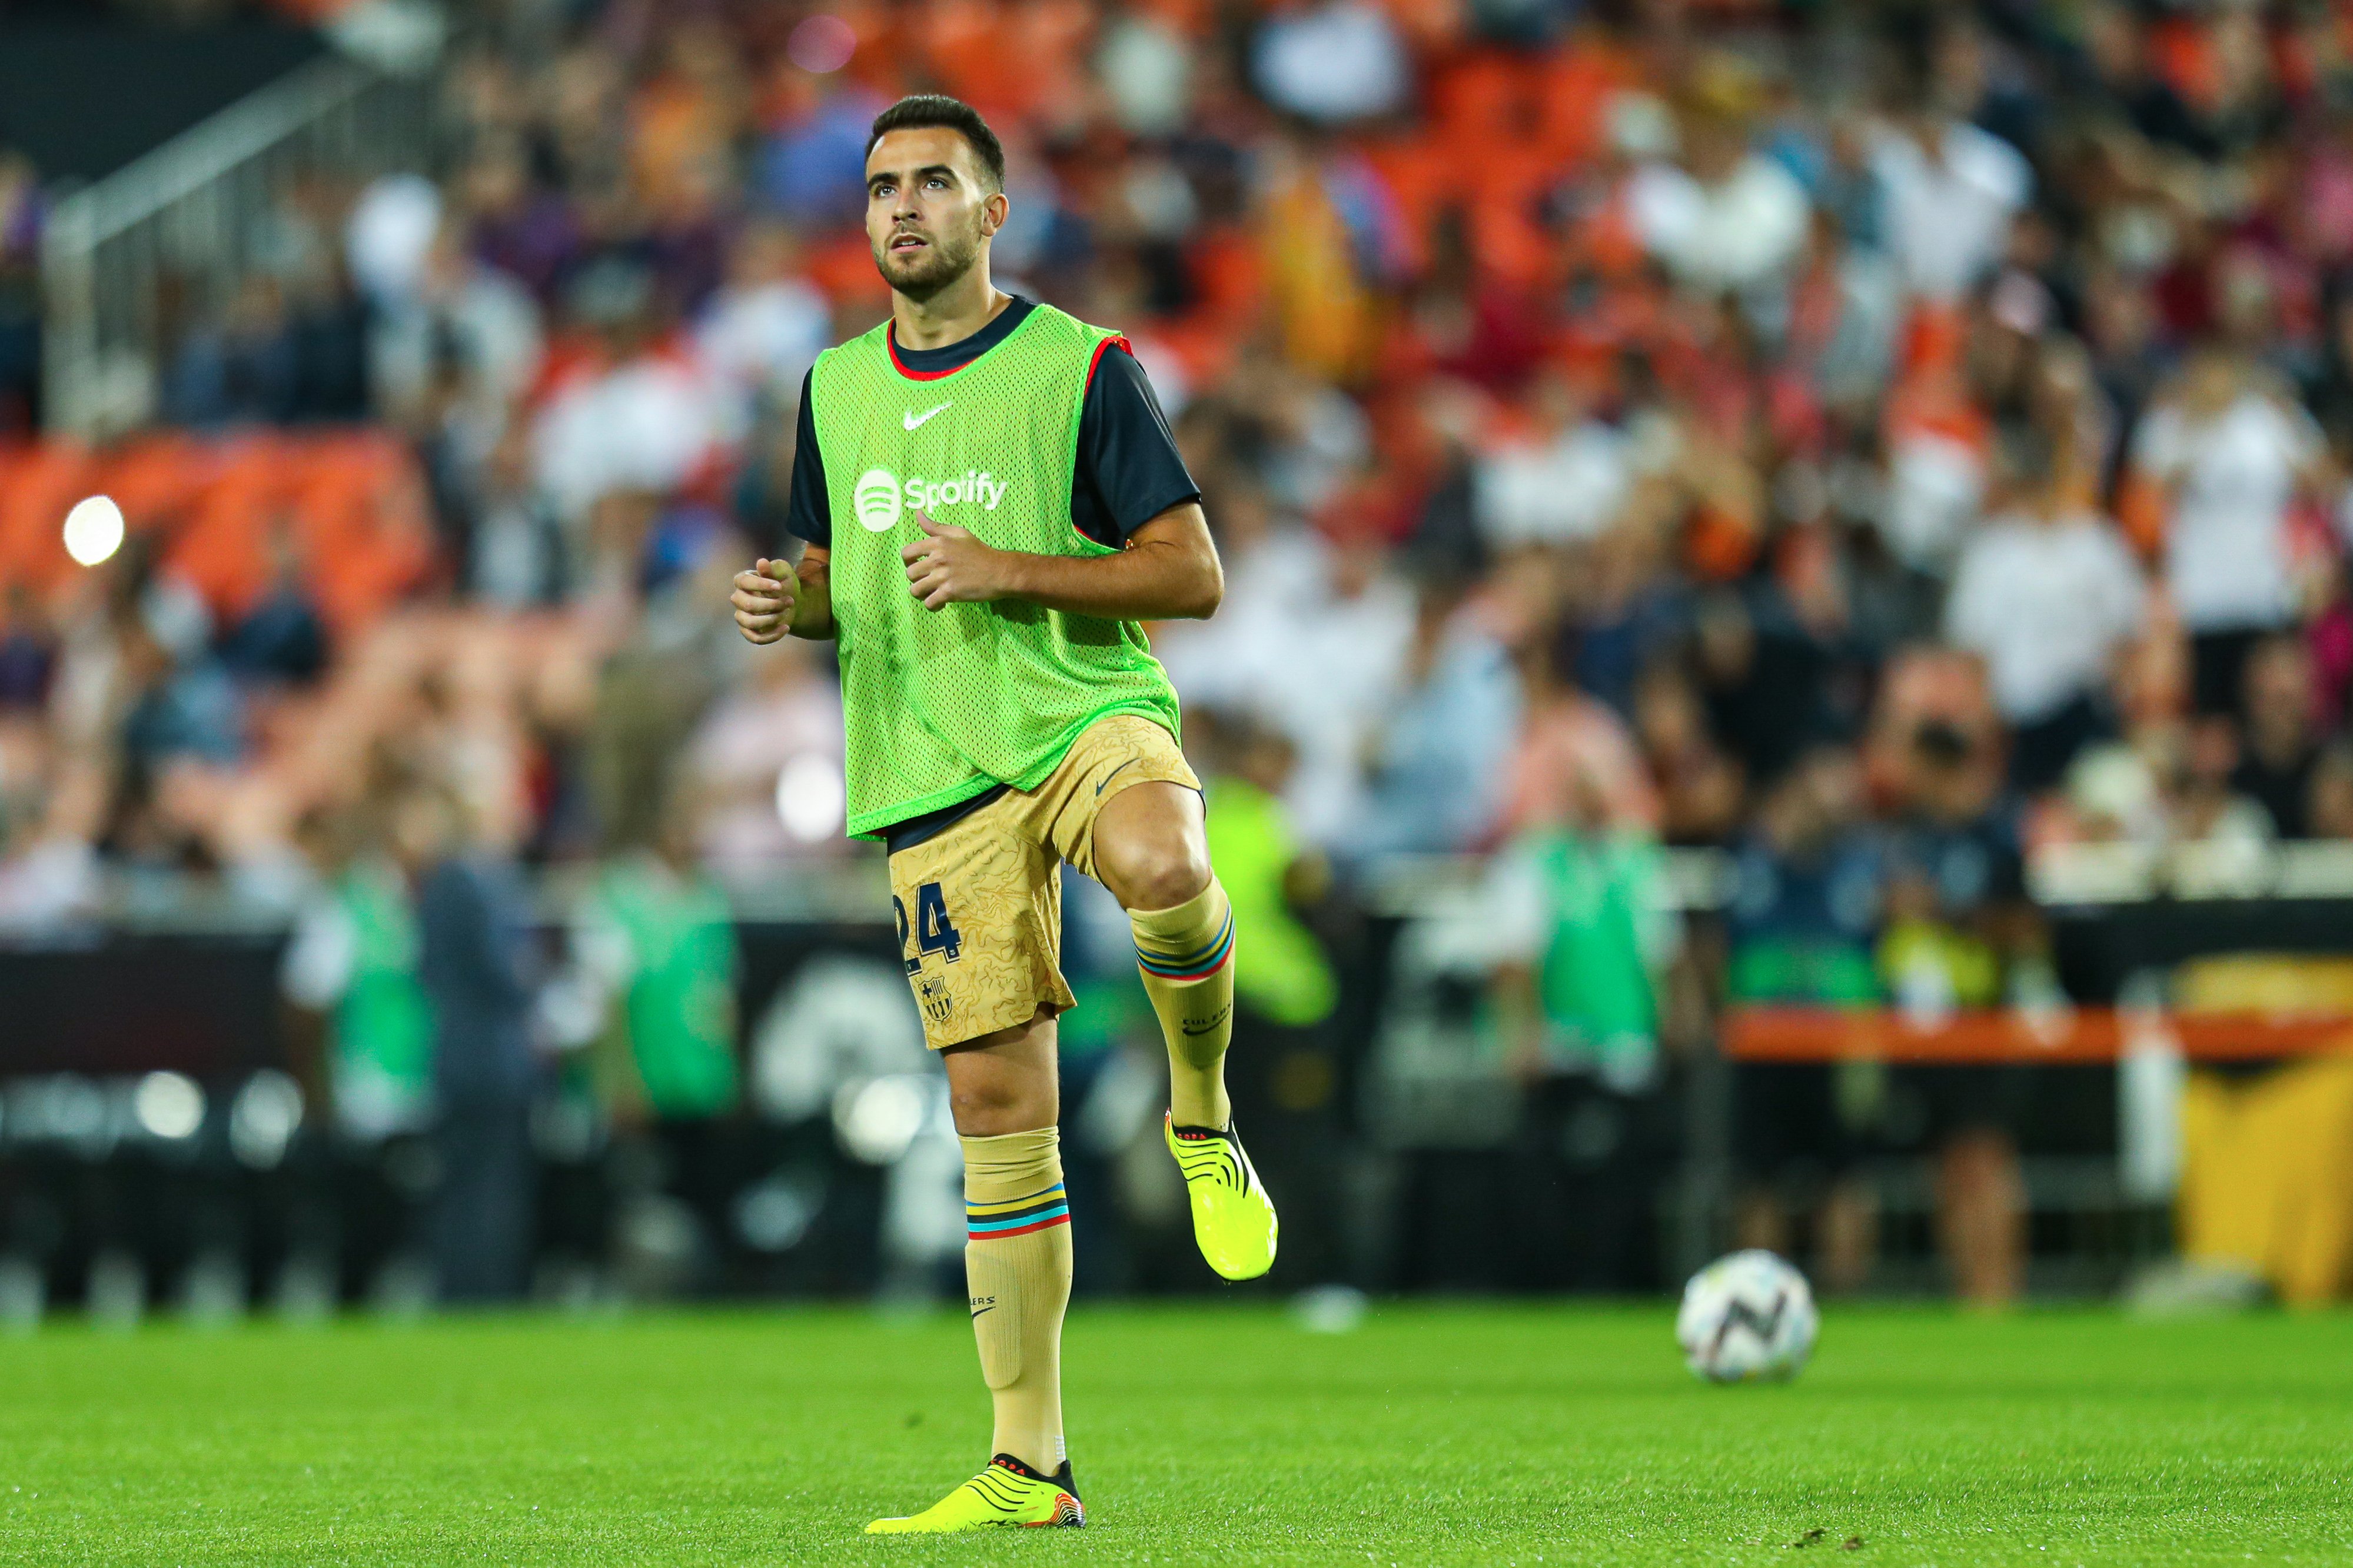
[(992, 214)]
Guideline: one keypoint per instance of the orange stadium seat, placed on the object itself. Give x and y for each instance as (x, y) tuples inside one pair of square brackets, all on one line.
[(1574, 89), (220, 550), (353, 506), (159, 477), (1479, 102), (36, 487)]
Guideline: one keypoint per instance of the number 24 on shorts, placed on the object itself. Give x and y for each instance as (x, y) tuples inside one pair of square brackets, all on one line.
[(935, 933)]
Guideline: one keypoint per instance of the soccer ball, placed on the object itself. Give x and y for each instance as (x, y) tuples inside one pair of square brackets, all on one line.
[(1746, 1317)]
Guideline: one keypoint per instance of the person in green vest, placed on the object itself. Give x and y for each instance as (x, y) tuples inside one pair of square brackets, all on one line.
[(1589, 936), (1268, 875), (1810, 898), (350, 963), (658, 935), (663, 938), (1289, 1072), (993, 504), (352, 958), (1585, 933)]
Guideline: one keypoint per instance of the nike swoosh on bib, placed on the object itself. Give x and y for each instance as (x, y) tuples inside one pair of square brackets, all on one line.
[(909, 419)]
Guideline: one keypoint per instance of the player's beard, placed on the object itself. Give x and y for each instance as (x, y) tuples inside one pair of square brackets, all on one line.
[(937, 266)]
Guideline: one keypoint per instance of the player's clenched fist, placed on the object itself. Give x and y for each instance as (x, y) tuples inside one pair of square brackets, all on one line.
[(949, 565), (763, 601)]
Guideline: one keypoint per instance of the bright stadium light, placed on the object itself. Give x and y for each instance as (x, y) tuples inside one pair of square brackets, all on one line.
[(263, 1118), (169, 1105), (821, 45), (775, 1215), (810, 797), (93, 529), (878, 1118)]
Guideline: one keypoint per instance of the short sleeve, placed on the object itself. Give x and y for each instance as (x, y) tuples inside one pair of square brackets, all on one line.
[(2158, 443), (808, 513), (1518, 914), (1129, 469), (1970, 609), (2300, 434), (2126, 589), (320, 961)]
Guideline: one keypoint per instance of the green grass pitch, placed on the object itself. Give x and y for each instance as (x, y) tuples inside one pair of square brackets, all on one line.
[(1559, 1434)]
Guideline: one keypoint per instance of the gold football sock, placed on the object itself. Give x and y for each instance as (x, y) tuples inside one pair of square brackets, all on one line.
[(1017, 1260), (1187, 956)]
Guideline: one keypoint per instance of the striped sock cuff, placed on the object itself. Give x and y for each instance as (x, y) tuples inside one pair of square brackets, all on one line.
[(1017, 1216), (1197, 964)]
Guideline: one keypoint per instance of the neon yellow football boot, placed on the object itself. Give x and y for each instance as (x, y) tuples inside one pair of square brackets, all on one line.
[(1233, 1219), (1007, 1492)]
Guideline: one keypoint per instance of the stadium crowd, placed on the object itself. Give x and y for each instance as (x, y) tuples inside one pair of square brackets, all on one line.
[(1875, 442)]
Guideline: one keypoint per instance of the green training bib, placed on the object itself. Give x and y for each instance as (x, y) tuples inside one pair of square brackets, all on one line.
[(941, 704)]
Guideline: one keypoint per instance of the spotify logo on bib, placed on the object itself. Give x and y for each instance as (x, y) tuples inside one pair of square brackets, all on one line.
[(880, 499), (876, 499)]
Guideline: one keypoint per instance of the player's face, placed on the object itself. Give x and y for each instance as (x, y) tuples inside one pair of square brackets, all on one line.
[(929, 209)]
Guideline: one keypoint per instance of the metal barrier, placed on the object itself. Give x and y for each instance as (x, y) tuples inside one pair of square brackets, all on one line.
[(1425, 1125), (190, 211)]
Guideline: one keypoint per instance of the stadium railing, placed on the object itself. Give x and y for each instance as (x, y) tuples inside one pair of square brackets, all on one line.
[(2141, 937), (187, 985), (190, 209)]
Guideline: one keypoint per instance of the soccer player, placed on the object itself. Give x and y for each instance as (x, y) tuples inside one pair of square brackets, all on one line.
[(992, 500)]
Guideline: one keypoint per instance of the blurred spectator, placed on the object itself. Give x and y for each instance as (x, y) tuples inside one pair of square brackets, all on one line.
[(29, 654), (1575, 761), (529, 234), (1294, 987), (245, 369), (1564, 480), (390, 235), (1582, 938), (282, 639), (766, 325), (184, 703), (1285, 1072), (812, 169), (659, 938), (21, 211), (350, 973), (1761, 673), (2046, 592), (453, 354), (353, 959), (1948, 189), (1433, 780), (1700, 789), (2229, 455), (625, 413), (767, 762), (1960, 934), (1584, 934), (1332, 61), (2282, 750), (1309, 640), (477, 969), (2330, 805), (1725, 216), (2202, 770), (1806, 908), (516, 550)]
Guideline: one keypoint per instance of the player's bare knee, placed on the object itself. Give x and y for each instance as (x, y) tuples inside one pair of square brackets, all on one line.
[(993, 1107), (1163, 875), (1004, 1082)]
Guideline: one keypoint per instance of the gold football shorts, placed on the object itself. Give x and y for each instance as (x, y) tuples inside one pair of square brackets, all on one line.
[(980, 903)]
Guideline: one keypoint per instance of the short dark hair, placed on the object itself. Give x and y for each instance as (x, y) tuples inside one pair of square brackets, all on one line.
[(923, 111)]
